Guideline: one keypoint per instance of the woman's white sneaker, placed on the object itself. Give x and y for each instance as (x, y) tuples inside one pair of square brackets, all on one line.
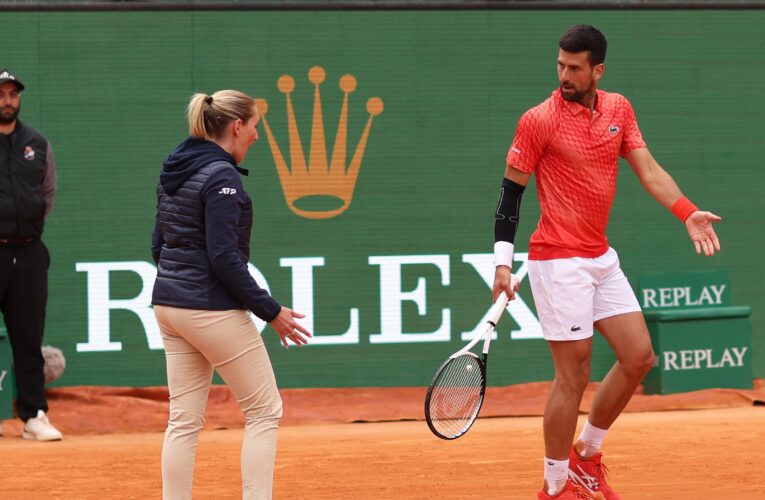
[(40, 429)]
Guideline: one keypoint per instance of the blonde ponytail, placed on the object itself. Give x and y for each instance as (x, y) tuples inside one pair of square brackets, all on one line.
[(209, 115)]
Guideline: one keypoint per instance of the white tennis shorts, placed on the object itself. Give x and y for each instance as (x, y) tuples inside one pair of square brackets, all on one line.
[(572, 294)]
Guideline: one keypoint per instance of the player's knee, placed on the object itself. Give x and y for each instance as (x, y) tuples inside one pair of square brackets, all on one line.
[(573, 382), (639, 366), (574, 376), (648, 362)]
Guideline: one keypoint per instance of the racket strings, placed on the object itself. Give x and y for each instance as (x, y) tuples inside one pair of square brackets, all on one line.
[(456, 396)]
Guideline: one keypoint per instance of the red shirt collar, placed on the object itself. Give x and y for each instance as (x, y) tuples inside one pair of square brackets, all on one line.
[(575, 108)]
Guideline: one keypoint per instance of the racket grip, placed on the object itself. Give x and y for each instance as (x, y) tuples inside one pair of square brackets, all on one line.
[(496, 310)]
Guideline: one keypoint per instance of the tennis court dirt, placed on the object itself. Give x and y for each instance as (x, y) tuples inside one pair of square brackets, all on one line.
[(711, 446)]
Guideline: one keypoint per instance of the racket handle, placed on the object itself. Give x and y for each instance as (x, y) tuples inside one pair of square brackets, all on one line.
[(496, 310)]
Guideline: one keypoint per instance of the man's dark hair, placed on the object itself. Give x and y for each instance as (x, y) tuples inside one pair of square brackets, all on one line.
[(585, 37)]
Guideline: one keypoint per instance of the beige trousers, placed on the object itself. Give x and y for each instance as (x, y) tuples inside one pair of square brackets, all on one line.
[(196, 342)]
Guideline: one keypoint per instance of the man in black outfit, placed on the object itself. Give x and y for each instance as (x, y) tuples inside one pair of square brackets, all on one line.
[(27, 192)]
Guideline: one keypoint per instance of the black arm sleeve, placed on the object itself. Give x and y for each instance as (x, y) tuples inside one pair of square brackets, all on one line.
[(508, 211)]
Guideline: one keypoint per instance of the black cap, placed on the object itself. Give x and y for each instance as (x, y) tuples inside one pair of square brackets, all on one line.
[(7, 76)]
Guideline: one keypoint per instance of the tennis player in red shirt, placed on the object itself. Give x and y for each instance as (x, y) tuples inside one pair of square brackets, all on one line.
[(572, 142)]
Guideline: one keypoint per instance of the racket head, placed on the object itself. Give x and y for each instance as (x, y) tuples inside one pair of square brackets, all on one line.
[(455, 395)]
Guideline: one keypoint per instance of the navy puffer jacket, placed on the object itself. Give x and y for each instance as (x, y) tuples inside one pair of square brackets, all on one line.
[(201, 238)]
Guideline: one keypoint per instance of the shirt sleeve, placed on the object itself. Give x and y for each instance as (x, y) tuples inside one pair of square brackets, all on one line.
[(632, 138), (224, 199), (49, 181), (529, 143)]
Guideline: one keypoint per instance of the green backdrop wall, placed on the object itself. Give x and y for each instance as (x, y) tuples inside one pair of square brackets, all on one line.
[(109, 90)]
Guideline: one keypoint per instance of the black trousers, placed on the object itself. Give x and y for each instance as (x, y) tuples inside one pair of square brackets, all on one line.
[(23, 297)]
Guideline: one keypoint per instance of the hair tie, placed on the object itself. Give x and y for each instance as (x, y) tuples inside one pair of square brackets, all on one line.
[(209, 99)]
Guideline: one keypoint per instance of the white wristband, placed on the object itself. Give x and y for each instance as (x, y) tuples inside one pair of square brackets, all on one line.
[(503, 254)]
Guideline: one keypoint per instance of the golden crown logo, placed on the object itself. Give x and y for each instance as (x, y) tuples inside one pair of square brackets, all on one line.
[(320, 178)]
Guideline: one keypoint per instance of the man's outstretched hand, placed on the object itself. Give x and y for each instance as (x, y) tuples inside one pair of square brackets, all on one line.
[(700, 229)]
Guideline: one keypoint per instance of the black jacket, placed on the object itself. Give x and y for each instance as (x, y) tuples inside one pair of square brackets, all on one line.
[(201, 238), (24, 156)]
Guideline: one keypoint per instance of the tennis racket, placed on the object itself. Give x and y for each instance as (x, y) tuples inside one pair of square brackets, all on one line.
[(456, 393)]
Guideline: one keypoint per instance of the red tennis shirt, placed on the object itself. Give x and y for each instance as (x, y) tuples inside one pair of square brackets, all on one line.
[(574, 153)]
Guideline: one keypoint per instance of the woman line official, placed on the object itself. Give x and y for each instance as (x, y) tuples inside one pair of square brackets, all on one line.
[(204, 293)]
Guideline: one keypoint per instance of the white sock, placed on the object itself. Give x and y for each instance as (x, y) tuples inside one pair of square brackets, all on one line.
[(556, 475), (592, 438)]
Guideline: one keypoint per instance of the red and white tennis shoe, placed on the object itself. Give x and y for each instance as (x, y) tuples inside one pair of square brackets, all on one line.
[(591, 473), (572, 491)]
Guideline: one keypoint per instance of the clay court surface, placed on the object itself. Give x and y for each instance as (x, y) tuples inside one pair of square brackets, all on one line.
[(708, 444)]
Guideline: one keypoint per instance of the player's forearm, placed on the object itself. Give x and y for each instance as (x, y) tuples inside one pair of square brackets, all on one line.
[(506, 222), (654, 178), (507, 215), (662, 187)]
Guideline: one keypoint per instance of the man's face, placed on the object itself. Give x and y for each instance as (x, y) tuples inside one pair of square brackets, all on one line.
[(10, 102), (578, 79)]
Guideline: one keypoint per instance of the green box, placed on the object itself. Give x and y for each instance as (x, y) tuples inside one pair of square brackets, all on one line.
[(6, 377), (699, 349), (700, 340)]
